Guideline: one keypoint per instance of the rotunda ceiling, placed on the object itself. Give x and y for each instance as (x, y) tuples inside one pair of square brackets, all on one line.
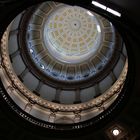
[(62, 64), (68, 44)]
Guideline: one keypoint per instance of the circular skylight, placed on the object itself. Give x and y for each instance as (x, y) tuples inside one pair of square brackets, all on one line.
[(72, 34)]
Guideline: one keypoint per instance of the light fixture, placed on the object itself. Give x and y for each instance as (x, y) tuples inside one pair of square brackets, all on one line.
[(99, 5), (115, 132), (114, 12)]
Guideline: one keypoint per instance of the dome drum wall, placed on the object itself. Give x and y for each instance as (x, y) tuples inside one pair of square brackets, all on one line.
[(51, 89), (28, 106), (34, 106)]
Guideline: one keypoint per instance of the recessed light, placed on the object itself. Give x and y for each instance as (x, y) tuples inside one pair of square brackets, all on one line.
[(116, 132)]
